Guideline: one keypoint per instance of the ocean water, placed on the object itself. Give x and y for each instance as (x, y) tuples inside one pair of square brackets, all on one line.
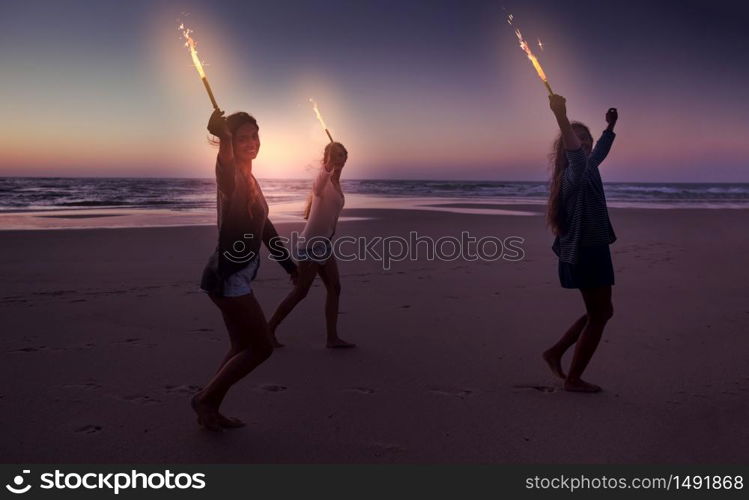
[(26, 194)]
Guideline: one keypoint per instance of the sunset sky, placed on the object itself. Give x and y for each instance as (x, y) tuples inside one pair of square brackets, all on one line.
[(431, 89)]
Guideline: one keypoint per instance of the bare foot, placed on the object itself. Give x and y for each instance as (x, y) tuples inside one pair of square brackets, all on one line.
[(580, 386), (208, 417), (555, 363), (230, 422), (338, 343)]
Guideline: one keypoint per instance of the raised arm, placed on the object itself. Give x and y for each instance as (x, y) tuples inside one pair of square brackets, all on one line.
[(612, 115), (558, 105), (323, 177), (603, 145), (225, 162), (218, 127)]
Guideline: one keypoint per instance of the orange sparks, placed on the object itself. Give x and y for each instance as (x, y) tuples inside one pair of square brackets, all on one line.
[(529, 53), (526, 48), (190, 44)]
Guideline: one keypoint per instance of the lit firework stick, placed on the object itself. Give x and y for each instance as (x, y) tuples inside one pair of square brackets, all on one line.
[(190, 44), (319, 118), (526, 48)]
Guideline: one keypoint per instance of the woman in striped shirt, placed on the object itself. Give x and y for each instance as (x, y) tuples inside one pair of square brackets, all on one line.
[(578, 216)]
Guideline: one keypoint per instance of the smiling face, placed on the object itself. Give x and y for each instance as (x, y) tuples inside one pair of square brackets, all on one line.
[(246, 142)]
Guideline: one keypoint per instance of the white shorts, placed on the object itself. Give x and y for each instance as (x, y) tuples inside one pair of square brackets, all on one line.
[(318, 251)]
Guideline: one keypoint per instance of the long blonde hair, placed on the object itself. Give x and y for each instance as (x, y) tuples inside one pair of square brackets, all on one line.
[(555, 216), (326, 156)]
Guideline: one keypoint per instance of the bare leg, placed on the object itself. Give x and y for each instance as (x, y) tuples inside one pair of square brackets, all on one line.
[(553, 356), (600, 310), (237, 341), (331, 279), (249, 335), (307, 273), (237, 344)]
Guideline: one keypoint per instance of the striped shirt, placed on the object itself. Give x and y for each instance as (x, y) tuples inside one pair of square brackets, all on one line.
[(584, 202)]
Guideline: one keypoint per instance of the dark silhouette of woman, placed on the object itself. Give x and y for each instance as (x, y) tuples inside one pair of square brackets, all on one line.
[(578, 215)]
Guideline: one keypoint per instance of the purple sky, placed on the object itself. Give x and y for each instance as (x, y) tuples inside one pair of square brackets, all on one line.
[(418, 89)]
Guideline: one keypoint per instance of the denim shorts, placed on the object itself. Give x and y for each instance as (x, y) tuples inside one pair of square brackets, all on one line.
[(240, 283)]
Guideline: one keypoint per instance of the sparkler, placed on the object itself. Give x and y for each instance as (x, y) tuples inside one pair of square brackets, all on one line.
[(190, 44), (526, 48), (319, 118)]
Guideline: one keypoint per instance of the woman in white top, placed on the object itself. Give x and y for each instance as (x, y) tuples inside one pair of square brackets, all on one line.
[(315, 246)]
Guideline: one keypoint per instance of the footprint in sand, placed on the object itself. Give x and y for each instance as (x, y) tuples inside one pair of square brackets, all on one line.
[(455, 393), (361, 390), (130, 340), (182, 389), (382, 448), (13, 301), (539, 388), (141, 399), (30, 349), (88, 386), (55, 292), (89, 429), (273, 388)]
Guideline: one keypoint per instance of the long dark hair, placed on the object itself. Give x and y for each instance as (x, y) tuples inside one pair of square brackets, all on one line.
[(234, 121), (325, 157), (555, 216)]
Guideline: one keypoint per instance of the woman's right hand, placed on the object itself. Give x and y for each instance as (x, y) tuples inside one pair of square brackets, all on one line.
[(558, 105), (217, 125)]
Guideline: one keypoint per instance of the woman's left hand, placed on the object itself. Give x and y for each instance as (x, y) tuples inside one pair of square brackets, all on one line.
[(612, 115)]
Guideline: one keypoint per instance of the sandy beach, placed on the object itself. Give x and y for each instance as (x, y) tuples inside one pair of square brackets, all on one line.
[(105, 335)]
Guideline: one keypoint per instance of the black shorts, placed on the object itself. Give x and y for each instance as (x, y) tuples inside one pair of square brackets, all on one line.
[(593, 269)]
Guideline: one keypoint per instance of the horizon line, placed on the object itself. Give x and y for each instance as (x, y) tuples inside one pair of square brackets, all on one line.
[(355, 179)]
